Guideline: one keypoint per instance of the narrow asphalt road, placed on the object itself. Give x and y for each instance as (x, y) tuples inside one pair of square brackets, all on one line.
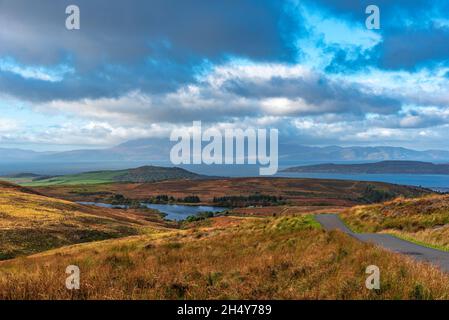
[(437, 257)]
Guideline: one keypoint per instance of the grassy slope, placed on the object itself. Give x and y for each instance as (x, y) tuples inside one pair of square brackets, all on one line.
[(82, 178), (142, 174), (424, 220), (31, 223), (240, 258), (20, 180)]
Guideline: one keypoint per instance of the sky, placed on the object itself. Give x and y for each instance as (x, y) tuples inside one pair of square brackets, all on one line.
[(140, 68)]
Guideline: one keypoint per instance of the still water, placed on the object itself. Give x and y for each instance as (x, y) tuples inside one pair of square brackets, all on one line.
[(173, 212)]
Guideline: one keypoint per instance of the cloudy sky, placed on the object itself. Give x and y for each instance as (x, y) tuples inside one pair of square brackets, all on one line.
[(138, 69)]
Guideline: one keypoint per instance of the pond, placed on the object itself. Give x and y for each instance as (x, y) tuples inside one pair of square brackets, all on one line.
[(174, 212)]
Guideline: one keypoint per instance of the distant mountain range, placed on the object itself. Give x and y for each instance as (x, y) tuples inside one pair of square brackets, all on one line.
[(12, 155), (136, 150), (157, 151), (384, 167), (335, 153)]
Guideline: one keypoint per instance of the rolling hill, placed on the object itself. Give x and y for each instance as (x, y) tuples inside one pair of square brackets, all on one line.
[(383, 167), (31, 223), (137, 175)]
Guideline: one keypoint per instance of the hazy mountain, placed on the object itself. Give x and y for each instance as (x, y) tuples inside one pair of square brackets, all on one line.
[(292, 152), (384, 167), (142, 149), (157, 151), (135, 150), (12, 155)]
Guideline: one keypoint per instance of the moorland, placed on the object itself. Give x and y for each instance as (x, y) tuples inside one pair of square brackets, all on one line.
[(265, 245)]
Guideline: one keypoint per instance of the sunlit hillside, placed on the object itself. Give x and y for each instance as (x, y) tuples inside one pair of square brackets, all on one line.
[(424, 220), (31, 223), (224, 258)]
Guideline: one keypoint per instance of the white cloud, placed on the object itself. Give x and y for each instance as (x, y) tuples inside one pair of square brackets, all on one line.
[(8, 126), (284, 106), (53, 74)]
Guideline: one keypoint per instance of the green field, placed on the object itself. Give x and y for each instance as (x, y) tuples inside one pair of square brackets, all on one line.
[(77, 179), (138, 175)]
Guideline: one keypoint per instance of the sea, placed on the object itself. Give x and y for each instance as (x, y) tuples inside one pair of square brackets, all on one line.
[(439, 183)]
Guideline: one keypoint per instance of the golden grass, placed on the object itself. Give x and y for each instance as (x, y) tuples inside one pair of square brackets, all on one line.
[(425, 220), (31, 223), (233, 258)]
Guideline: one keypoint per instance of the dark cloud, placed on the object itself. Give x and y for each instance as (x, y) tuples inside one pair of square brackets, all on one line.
[(408, 49), (148, 45), (105, 82), (36, 90), (392, 12), (120, 31)]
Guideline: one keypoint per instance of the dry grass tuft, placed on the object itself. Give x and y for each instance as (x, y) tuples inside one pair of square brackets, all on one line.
[(424, 220)]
